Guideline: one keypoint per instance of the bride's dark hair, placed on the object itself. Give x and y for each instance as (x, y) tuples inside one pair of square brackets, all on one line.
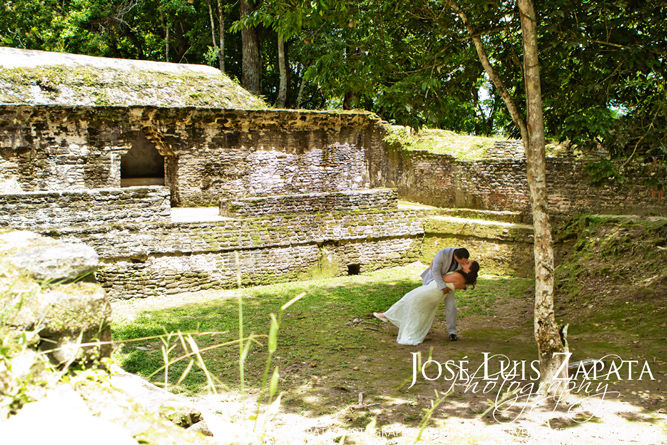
[(471, 277)]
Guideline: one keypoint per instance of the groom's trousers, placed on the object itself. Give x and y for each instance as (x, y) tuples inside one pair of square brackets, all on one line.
[(450, 312)]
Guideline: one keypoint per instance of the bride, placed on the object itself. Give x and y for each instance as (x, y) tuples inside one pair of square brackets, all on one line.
[(414, 313)]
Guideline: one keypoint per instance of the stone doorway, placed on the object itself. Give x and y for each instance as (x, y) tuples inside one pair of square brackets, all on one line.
[(142, 164)]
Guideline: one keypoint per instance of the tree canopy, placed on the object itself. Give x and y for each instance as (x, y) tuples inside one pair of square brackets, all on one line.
[(411, 62)]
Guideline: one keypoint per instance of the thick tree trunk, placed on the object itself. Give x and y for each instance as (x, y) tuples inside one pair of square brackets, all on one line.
[(350, 99), (282, 67), (251, 66), (552, 348)]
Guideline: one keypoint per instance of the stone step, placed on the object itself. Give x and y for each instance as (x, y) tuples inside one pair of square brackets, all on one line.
[(481, 215)]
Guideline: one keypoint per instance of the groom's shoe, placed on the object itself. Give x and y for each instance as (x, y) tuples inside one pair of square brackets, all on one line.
[(453, 337)]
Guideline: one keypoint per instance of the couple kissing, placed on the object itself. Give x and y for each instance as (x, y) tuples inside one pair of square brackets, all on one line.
[(451, 269)]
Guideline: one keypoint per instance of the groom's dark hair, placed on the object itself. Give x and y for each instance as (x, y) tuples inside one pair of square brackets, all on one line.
[(462, 253)]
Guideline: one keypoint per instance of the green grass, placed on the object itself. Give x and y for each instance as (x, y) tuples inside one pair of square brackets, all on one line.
[(482, 299), (330, 336), (461, 146), (329, 329), (312, 330)]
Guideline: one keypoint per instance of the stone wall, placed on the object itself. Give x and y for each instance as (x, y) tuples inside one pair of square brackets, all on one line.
[(501, 184), (208, 153), (500, 248), (36, 210), (165, 258), (212, 154), (363, 200), (507, 149)]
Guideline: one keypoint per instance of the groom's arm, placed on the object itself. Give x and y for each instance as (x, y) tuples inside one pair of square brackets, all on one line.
[(438, 266)]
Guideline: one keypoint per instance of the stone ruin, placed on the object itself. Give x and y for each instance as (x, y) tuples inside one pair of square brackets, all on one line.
[(62, 316), (109, 176), (100, 188), (108, 153)]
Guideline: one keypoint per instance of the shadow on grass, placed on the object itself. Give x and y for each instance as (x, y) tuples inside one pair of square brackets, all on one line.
[(336, 360)]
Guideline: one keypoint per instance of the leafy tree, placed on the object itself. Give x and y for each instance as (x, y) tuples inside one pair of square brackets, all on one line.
[(603, 63), (606, 74), (27, 24)]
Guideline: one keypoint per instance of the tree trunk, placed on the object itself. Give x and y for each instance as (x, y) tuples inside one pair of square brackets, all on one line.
[(350, 99), (221, 53), (282, 67), (210, 16), (495, 79), (552, 348), (221, 61), (166, 37), (251, 65), (302, 85), (551, 343)]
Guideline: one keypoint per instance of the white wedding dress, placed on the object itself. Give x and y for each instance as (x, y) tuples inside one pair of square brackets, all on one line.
[(414, 313)]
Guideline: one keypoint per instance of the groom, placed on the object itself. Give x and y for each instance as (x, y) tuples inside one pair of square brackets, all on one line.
[(446, 260)]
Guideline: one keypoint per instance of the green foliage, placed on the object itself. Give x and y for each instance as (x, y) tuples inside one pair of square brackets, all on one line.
[(604, 172), (604, 74), (21, 370)]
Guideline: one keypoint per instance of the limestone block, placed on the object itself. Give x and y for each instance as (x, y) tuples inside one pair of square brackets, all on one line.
[(73, 314), (46, 259), (65, 314), (57, 262)]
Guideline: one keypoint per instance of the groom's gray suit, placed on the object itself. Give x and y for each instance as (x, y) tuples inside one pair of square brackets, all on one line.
[(443, 263)]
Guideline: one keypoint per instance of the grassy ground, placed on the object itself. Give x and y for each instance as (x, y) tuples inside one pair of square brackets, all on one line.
[(342, 368), (462, 146)]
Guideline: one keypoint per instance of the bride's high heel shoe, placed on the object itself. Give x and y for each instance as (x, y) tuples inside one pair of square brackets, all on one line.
[(380, 316)]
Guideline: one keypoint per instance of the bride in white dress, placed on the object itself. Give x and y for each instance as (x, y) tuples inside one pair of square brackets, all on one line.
[(414, 313)]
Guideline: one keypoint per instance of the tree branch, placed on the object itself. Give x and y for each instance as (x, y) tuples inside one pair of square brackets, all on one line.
[(497, 82), (640, 140), (616, 45)]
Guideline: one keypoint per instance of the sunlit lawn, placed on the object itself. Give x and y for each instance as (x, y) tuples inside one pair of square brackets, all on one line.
[(331, 331), (321, 329)]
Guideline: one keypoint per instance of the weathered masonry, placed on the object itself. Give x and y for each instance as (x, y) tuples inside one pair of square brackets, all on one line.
[(500, 184), (165, 258), (204, 154), (298, 184), (298, 194), (200, 154)]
